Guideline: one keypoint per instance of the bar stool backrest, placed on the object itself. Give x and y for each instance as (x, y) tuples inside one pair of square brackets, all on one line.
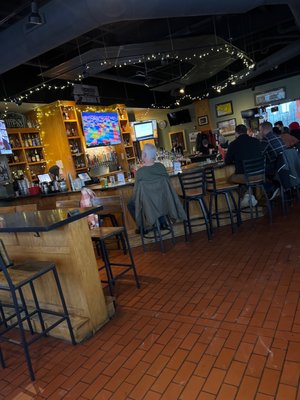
[(4, 256), (210, 180), (254, 170), (192, 182), (111, 204), (67, 204)]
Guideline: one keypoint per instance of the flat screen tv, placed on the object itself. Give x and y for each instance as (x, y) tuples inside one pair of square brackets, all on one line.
[(179, 117), (101, 128), (144, 130), (5, 147)]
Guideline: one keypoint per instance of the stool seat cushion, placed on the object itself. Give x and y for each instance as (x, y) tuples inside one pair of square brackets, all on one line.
[(106, 232), (21, 274)]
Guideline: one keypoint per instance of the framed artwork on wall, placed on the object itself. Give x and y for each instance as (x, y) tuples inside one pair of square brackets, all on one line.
[(227, 127), (223, 109), (178, 136), (203, 120)]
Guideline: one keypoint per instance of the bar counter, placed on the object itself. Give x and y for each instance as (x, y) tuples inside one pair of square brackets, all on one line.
[(54, 236), (48, 202)]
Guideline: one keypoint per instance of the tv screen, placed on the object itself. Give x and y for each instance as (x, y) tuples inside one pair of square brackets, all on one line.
[(179, 117), (101, 128), (144, 130), (5, 147)]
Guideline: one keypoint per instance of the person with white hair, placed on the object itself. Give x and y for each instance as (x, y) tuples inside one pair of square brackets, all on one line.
[(153, 194)]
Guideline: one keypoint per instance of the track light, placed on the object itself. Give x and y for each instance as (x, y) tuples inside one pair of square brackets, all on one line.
[(35, 18)]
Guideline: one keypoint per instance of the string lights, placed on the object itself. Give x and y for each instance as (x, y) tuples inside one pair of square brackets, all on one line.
[(183, 55)]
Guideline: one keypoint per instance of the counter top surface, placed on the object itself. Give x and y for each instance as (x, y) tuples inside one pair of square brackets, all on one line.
[(201, 162), (41, 221)]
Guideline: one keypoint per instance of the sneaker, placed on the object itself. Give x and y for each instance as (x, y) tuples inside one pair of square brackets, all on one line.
[(245, 202), (253, 201), (274, 194)]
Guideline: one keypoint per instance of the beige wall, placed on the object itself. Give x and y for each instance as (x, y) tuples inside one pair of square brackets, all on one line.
[(245, 99)]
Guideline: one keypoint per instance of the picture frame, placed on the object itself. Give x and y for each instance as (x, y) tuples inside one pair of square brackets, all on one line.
[(227, 127), (180, 137), (223, 109), (203, 120)]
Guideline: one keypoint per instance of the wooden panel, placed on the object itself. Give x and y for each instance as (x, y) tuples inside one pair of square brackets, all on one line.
[(70, 247)]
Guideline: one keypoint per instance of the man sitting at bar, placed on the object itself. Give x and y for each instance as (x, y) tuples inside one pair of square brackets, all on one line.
[(160, 195), (272, 146), (244, 147)]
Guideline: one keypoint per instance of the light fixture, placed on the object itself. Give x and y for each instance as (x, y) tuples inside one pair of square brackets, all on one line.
[(35, 18), (181, 91)]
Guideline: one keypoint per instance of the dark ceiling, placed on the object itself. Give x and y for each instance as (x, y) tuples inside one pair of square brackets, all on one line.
[(146, 61)]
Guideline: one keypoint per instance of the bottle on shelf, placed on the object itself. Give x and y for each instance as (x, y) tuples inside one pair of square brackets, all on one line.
[(37, 156), (33, 159)]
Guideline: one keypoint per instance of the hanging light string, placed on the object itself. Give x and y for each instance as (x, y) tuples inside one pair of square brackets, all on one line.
[(136, 59)]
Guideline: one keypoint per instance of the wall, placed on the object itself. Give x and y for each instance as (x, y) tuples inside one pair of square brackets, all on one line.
[(143, 114), (245, 99)]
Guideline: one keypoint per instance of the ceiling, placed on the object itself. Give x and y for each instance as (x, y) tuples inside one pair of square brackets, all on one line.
[(142, 55)]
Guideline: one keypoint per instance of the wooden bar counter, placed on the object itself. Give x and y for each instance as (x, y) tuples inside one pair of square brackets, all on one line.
[(54, 236), (125, 191)]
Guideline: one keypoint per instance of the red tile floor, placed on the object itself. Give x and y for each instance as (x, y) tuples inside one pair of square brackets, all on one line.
[(213, 320)]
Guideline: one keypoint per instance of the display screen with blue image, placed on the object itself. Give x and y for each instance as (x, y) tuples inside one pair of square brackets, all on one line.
[(101, 128)]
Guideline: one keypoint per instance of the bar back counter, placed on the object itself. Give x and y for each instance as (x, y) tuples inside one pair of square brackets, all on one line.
[(53, 235)]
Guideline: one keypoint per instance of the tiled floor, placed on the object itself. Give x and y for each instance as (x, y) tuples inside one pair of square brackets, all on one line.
[(217, 320)]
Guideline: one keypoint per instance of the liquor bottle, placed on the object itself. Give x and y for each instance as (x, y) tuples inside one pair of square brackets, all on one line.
[(26, 141), (33, 159), (29, 140), (16, 158), (37, 156)]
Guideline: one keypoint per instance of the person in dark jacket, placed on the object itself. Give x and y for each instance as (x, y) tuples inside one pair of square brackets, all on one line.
[(244, 147)]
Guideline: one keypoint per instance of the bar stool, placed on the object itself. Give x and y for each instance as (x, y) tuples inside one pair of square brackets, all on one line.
[(224, 189), (13, 279), (113, 205), (157, 232), (157, 207), (193, 188), (102, 217), (254, 171)]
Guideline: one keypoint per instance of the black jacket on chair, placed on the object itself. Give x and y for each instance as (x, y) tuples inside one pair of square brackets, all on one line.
[(288, 168)]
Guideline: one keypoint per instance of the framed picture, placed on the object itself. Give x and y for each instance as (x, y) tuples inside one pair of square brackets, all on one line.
[(178, 136), (203, 120), (223, 109), (227, 127)]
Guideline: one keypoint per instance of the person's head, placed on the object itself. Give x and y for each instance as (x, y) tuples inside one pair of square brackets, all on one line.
[(54, 170), (286, 129), (205, 142), (241, 129), (276, 130), (265, 128), (294, 125), (149, 153), (279, 125)]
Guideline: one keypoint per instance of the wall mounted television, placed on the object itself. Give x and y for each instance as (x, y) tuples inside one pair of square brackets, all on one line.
[(5, 147), (179, 117), (144, 130), (101, 128)]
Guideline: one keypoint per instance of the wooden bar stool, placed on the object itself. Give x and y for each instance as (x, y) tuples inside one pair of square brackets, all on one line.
[(14, 313), (101, 217)]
